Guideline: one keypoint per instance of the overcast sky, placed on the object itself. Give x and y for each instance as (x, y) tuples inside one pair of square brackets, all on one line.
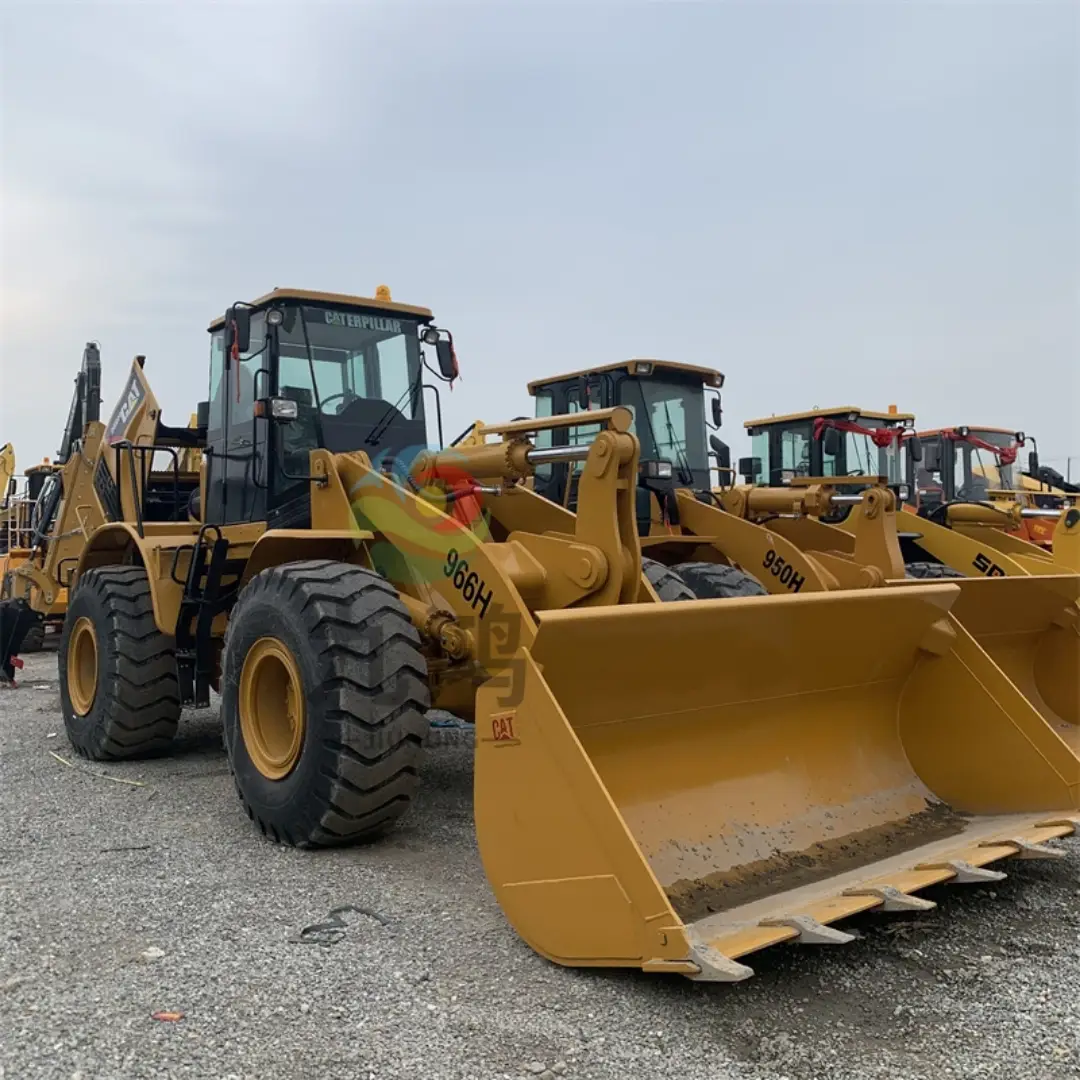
[(832, 203)]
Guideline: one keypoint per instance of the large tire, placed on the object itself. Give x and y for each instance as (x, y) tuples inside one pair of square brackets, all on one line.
[(110, 641), (666, 582), (340, 763), (35, 638), (930, 570), (716, 581)]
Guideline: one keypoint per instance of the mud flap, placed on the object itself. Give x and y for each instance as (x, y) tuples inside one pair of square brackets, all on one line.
[(672, 786)]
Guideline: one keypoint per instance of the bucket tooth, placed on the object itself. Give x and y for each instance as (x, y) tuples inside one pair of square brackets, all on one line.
[(810, 931), (892, 899), (1025, 849), (716, 967), (963, 872), (1072, 824)]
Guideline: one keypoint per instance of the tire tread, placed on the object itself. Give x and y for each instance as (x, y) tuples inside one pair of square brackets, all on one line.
[(357, 795), (143, 704)]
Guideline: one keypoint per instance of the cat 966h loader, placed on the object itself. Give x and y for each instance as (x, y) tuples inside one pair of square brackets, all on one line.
[(831, 754)]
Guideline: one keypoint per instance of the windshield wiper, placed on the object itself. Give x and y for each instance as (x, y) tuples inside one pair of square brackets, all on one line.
[(686, 474), (387, 417)]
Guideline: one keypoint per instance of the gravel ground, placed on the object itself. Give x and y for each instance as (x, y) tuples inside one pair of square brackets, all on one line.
[(119, 900)]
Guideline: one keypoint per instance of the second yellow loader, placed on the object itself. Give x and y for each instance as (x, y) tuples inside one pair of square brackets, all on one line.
[(837, 528)]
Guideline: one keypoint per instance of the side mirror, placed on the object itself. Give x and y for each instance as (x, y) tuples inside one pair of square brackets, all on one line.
[(717, 411), (721, 451), (914, 445), (583, 392), (1033, 463), (237, 329), (749, 467), (202, 415), (444, 353), (832, 441)]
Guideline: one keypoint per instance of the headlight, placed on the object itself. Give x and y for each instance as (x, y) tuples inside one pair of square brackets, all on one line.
[(903, 491), (283, 409), (656, 470)]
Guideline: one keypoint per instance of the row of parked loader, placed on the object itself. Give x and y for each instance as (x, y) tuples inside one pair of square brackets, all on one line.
[(807, 733)]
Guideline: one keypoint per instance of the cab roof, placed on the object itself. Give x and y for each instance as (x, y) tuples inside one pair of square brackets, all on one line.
[(838, 411), (334, 299), (972, 428), (710, 376)]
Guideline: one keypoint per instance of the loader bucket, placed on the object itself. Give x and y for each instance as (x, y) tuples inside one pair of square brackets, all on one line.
[(673, 786), (1030, 627)]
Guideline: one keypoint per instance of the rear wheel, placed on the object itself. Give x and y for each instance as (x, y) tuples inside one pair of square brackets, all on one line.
[(118, 687), (930, 570), (666, 582), (716, 581), (324, 700)]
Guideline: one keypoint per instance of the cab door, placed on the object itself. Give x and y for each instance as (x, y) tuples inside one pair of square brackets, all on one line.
[(236, 446)]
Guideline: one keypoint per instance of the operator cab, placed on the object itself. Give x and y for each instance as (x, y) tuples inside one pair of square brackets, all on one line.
[(844, 441), (668, 403), (297, 371), (966, 464)]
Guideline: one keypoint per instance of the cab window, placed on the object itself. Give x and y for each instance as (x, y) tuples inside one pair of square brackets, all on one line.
[(216, 397), (795, 450), (759, 449), (584, 433), (545, 406)]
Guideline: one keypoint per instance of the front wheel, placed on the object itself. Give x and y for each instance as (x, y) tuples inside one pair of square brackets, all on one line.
[(324, 696), (666, 582), (930, 570), (717, 581)]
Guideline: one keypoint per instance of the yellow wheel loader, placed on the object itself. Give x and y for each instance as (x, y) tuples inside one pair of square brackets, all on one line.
[(946, 533), (1018, 602), (833, 754), (992, 470), (707, 541), (969, 479), (811, 533), (667, 401), (19, 523)]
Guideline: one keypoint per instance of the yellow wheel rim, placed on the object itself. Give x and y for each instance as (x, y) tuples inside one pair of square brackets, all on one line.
[(272, 708), (82, 666)]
